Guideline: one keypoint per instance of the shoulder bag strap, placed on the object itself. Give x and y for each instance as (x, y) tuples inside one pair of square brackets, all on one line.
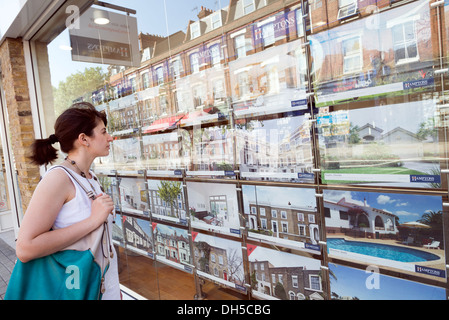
[(90, 193)]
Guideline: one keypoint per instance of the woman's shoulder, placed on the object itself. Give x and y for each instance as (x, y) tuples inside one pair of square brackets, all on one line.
[(55, 176)]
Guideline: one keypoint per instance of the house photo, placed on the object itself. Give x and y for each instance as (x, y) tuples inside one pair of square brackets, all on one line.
[(285, 216), (214, 207), (284, 276), (400, 231)]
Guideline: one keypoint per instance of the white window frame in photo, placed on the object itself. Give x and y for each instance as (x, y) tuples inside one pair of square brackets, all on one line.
[(319, 282), (295, 280), (302, 228)]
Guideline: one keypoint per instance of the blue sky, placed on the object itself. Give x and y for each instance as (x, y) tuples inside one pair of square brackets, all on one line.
[(352, 283), (406, 207)]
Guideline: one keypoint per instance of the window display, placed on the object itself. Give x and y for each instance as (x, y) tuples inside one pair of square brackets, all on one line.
[(279, 148)]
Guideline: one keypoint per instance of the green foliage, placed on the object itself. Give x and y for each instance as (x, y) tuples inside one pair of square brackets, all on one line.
[(169, 191), (80, 84)]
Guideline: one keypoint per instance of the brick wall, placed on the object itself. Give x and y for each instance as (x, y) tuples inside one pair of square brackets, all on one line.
[(14, 80)]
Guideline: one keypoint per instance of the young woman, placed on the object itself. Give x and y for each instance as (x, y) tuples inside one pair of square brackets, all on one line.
[(58, 203)]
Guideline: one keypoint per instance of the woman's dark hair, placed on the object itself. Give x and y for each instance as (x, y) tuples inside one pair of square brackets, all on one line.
[(79, 118)]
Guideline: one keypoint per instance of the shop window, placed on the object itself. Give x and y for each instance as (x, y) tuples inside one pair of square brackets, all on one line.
[(405, 43)]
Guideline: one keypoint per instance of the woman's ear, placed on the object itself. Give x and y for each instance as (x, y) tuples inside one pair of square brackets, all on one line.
[(82, 139)]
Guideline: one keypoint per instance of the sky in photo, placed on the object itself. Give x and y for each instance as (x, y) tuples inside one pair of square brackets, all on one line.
[(351, 282), (407, 207)]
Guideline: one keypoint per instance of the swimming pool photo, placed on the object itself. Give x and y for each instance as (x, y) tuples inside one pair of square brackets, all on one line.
[(384, 251)]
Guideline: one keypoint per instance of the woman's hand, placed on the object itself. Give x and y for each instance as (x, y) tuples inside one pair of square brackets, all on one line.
[(102, 206)]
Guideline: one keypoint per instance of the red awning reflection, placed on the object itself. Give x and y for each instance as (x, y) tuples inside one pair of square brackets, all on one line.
[(163, 124)]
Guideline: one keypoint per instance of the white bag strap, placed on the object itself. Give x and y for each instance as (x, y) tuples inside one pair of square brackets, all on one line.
[(89, 193)]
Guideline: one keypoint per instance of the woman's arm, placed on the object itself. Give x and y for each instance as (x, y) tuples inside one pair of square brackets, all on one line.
[(35, 239)]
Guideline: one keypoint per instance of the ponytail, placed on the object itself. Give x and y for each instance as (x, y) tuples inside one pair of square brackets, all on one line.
[(43, 152), (79, 118)]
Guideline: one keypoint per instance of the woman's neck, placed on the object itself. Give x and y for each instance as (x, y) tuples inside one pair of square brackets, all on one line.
[(80, 165)]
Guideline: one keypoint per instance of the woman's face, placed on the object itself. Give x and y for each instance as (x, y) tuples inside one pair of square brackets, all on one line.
[(100, 141)]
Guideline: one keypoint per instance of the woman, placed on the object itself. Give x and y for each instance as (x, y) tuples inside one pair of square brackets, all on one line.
[(58, 203)]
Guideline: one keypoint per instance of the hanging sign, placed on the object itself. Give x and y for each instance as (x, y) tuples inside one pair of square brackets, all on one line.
[(113, 43)]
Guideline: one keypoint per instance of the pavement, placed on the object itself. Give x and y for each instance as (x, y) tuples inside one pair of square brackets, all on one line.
[(7, 260)]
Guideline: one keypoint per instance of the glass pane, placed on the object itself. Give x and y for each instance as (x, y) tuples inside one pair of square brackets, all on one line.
[(248, 125)]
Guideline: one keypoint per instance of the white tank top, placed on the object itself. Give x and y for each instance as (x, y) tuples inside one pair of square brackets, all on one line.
[(79, 209)]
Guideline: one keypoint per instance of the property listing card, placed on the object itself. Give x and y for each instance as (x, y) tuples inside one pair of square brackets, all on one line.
[(402, 232)]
